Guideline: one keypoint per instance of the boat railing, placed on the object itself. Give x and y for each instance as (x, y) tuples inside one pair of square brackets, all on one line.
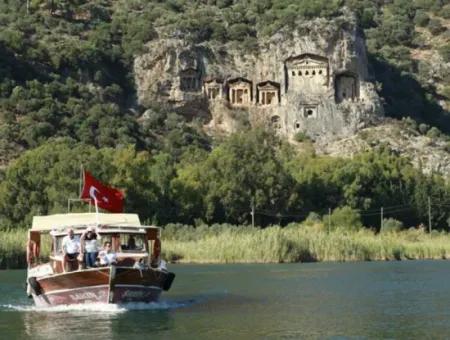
[(72, 200)]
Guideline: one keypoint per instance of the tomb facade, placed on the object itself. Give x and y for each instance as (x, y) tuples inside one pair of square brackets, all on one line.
[(307, 72), (310, 111), (239, 92), (189, 80), (213, 89), (268, 93), (346, 87)]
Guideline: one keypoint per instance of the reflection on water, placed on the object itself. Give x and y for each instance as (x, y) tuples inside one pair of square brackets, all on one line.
[(104, 320), (69, 325), (321, 300)]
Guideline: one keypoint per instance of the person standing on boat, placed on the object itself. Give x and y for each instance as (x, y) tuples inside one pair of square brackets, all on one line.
[(107, 256), (89, 247), (70, 247)]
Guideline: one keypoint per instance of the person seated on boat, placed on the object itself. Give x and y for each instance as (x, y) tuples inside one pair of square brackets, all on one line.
[(131, 244), (106, 255), (89, 247), (71, 248)]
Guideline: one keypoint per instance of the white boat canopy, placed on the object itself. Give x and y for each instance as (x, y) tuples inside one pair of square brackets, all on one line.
[(61, 221)]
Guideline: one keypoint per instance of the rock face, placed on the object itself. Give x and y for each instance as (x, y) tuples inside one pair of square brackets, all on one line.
[(312, 80), (431, 155)]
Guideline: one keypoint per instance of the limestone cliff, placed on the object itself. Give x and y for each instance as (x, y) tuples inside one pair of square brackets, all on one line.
[(313, 80), (428, 153)]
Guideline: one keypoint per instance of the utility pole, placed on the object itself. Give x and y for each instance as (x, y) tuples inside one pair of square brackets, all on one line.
[(429, 215), (381, 224), (253, 212), (329, 220)]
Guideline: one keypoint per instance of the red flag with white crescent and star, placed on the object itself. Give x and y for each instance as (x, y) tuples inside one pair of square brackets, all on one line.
[(107, 198)]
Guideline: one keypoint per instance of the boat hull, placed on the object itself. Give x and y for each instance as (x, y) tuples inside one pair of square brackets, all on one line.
[(101, 285)]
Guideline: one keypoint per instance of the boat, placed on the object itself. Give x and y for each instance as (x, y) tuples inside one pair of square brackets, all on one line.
[(139, 274)]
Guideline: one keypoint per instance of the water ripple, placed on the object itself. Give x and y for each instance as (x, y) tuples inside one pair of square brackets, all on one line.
[(100, 307)]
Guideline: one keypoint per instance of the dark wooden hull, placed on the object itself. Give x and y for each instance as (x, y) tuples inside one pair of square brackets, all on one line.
[(101, 285)]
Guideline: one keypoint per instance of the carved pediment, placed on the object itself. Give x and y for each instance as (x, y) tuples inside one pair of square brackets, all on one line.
[(268, 86), (307, 60), (239, 82), (213, 81)]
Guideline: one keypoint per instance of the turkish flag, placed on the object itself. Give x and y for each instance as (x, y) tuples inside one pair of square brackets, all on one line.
[(107, 198)]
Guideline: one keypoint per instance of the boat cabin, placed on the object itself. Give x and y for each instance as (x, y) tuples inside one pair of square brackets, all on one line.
[(133, 243)]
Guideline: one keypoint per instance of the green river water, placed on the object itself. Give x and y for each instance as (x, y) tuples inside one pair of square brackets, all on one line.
[(366, 300)]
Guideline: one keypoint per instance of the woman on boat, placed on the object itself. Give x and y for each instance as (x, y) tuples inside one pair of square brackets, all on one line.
[(89, 247)]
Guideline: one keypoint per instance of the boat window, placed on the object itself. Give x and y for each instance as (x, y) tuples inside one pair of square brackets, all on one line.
[(58, 245), (132, 242), (104, 238)]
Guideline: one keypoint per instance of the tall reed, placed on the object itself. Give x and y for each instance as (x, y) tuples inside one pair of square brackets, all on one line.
[(301, 243), (13, 248)]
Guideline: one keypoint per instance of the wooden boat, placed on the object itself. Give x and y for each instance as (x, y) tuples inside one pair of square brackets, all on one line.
[(139, 274)]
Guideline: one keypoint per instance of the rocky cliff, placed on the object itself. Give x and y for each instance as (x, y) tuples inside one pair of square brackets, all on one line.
[(312, 80), (426, 152)]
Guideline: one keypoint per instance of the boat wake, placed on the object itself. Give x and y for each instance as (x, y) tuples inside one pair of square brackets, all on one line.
[(100, 307)]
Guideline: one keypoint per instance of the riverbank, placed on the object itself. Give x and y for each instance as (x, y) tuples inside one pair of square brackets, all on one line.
[(294, 243)]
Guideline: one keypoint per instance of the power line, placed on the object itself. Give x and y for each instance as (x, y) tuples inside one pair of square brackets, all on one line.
[(384, 211)]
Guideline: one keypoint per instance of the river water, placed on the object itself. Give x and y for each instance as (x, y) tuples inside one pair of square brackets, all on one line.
[(404, 300)]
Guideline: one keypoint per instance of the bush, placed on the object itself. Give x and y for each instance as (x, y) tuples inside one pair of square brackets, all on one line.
[(433, 133), (445, 92), (436, 27), (444, 51), (410, 123), (346, 218), (301, 137), (312, 218), (421, 18), (447, 147), (391, 225), (445, 12), (423, 128)]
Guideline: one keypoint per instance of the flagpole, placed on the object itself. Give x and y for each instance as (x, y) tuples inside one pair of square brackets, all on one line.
[(81, 177), (96, 212)]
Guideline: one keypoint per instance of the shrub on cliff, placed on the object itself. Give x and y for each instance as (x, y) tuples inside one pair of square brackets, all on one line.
[(421, 18)]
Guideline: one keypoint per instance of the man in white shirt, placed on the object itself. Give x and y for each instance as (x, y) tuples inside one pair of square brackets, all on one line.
[(70, 248), (107, 257)]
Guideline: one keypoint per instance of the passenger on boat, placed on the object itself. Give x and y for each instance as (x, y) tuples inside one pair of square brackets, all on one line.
[(107, 256), (89, 247), (71, 248), (131, 244)]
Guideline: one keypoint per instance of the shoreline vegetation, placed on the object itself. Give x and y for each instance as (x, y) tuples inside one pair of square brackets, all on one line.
[(305, 242)]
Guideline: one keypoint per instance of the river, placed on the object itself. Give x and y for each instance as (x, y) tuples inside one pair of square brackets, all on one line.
[(403, 300)]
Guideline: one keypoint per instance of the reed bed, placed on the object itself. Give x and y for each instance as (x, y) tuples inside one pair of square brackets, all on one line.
[(13, 248), (301, 243)]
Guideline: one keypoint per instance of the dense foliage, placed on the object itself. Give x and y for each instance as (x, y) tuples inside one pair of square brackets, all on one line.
[(65, 66), (252, 167)]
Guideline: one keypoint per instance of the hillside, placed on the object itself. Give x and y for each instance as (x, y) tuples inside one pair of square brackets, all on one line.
[(103, 78), (66, 66)]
